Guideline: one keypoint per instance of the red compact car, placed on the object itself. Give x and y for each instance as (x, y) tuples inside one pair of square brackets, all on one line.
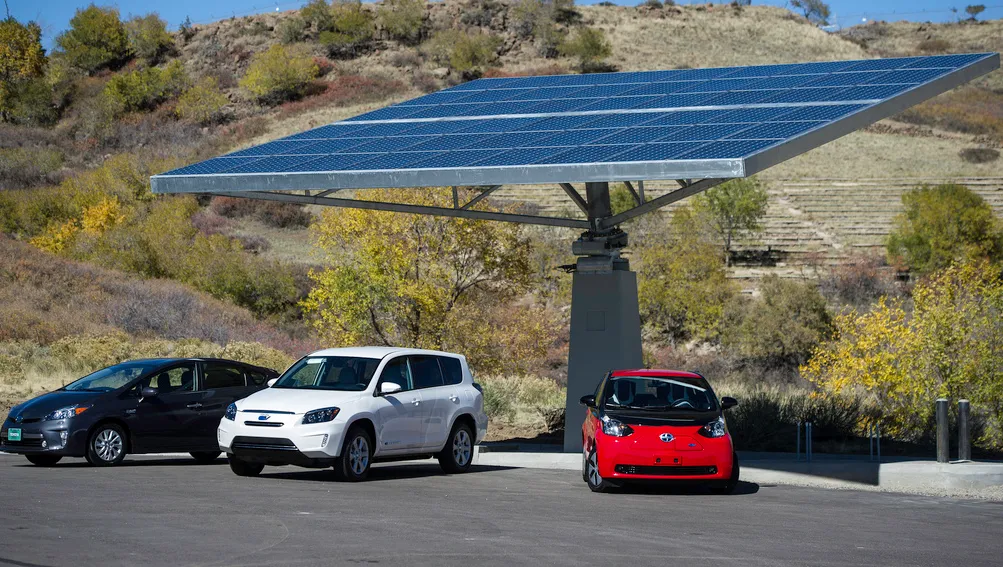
[(660, 425)]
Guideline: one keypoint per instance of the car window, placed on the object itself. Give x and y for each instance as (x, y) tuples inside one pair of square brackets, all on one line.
[(256, 377), (176, 379), (222, 375), (113, 377), (658, 393), (451, 370), (397, 371), (425, 371), (343, 373)]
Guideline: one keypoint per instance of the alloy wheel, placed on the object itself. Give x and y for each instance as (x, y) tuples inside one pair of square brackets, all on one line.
[(593, 469), (358, 455), (108, 445), (461, 448)]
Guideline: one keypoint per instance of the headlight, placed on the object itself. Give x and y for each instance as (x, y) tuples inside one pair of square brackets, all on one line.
[(715, 428), (320, 415), (615, 428), (65, 413), (231, 412)]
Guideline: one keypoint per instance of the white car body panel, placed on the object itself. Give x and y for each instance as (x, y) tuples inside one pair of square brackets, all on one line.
[(416, 421)]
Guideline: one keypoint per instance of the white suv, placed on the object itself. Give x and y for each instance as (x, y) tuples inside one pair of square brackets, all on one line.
[(347, 407)]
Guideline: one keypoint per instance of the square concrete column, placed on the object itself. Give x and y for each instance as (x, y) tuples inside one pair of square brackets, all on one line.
[(605, 335)]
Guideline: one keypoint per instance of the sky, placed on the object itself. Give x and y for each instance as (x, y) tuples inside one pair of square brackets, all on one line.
[(54, 15)]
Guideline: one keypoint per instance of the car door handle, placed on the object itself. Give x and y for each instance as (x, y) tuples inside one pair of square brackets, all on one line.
[(454, 398), (194, 406), (416, 402)]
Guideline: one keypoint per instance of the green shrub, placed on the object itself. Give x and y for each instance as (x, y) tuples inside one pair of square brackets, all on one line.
[(96, 39), (979, 155), (203, 102), (145, 89), (291, 30), (148, 38), (402, 19), (352, 26), (316, 16), (30, 103), (281, 73), (766, 419), (589, 46), (736, 208), (941, 225), (21, 167), (463, 52), (22, 60), (621, 199)]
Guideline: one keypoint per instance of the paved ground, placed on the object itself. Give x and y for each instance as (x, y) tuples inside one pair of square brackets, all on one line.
[(155, 511)]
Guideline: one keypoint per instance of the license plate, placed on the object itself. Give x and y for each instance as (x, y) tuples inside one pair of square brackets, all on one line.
[(13, 434)]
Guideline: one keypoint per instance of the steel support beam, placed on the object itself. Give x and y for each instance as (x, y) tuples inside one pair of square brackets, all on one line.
[(576, 197), (405, 208), (667, 199), (633, 193), (487, 191)]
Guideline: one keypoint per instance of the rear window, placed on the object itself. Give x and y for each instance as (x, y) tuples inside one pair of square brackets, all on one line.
[(452, 372), (221, 375)]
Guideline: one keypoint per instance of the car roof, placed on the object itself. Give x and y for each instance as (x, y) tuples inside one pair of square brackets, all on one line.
[(656, 373), (376, 351)]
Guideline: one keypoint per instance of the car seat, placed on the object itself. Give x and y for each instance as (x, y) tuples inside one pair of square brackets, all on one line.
[(187, 377), (164, 383), (348, 376)]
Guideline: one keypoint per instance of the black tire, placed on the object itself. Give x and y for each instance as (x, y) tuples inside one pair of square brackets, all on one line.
[(241, 467), (356, 456), (107, 445), (43, 460), (458, 454), (593, 479), (205, 457), (728, 486), (585, 462)]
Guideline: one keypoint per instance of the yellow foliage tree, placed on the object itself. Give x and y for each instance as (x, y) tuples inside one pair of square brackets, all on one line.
[(58, 237), (97, 219)]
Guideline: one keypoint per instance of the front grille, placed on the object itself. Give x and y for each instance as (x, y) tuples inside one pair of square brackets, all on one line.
[(260, 443), (263, 423), (23, 442), (657, 470)]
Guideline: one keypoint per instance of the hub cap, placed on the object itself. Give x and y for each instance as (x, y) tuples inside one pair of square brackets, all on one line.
[(593, 469), (358, 455), (461, 448), (108, 445)]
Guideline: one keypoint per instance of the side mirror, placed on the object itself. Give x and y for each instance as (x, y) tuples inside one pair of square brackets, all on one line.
[(389, 388), (148, 393), (272, 382), (588, 401), (728, 402)]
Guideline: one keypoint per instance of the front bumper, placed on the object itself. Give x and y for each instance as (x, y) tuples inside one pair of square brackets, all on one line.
[(624, 458), (44, 437), (283, 441)]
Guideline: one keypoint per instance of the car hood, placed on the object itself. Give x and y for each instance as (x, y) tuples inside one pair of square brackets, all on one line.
[(297, 400), (45, 404)]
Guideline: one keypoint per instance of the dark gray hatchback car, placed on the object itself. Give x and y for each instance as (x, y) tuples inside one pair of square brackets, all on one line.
[(139, 406)]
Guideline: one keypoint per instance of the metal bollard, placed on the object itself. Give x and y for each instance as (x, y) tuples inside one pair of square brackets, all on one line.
[(870, 440), (807, 441), (943, 442), (964, 431), (797, 444), (877, 439)]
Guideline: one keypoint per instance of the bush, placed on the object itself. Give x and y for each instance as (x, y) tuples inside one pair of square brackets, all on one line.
[(279, 74), (463, 52), (203, 102), (736, 209), (351, 27), (653, 4), (780, 328), (479, 13), (858, 282), (148, 38), (23, 62), (272, 213), (979, 155), (316, 16), (97, 39), (402, 19), (815, 11), (20, 167), (145, 89), (941, 225), (589, 46), (291, 30), (346, 90), (766, 419), (934, 45)]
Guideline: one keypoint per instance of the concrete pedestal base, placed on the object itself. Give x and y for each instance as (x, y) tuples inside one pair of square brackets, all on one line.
[(605, 335)]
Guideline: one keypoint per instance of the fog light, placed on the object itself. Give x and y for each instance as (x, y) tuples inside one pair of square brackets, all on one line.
[(44, 444), (323, 440), (63, 435)]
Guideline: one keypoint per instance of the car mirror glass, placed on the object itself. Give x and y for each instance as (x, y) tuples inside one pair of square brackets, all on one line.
[(389, 388), (148, 393), (588, 401), (728, 402)]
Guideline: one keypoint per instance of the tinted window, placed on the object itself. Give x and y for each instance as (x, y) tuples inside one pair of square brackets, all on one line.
[(176, 379), (397, 371), (221, 375), (657, 393), (256, 377), (344, 373), (113, 377), (425, 372), (451, 370)]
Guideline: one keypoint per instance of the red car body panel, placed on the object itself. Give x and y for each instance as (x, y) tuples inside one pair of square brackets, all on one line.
[(622, 458)]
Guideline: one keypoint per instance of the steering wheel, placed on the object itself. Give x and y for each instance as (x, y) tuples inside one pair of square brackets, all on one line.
[(681, 404)]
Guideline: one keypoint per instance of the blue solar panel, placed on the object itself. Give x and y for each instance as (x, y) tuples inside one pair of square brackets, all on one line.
[(571, 121)]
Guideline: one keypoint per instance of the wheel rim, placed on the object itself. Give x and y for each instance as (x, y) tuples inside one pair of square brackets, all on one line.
[(594, 477), (461, 448), (108, 445), (358, 455)]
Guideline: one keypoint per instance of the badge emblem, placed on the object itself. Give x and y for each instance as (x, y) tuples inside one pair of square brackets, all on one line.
[(666, 437), (264, 417)]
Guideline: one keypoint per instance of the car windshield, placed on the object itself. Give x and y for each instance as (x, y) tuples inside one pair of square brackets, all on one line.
[(113, 377), (649, 393), (345, 373)]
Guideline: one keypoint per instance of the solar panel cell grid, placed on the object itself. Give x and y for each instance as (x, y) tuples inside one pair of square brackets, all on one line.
[(775, 130)]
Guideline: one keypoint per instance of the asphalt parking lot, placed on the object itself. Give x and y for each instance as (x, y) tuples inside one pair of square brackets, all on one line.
[(169, 511)]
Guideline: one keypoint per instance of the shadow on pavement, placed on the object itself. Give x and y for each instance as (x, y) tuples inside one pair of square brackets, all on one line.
[(683, 489), (378, 473), (151, 462)]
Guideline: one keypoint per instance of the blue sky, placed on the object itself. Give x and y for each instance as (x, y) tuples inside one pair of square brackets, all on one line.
[(54, 15)]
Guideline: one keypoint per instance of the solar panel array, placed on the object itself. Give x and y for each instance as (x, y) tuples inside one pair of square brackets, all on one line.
[(637, 117)]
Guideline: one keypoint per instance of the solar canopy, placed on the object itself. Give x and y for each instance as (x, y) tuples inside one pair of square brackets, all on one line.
[(678, 124)]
